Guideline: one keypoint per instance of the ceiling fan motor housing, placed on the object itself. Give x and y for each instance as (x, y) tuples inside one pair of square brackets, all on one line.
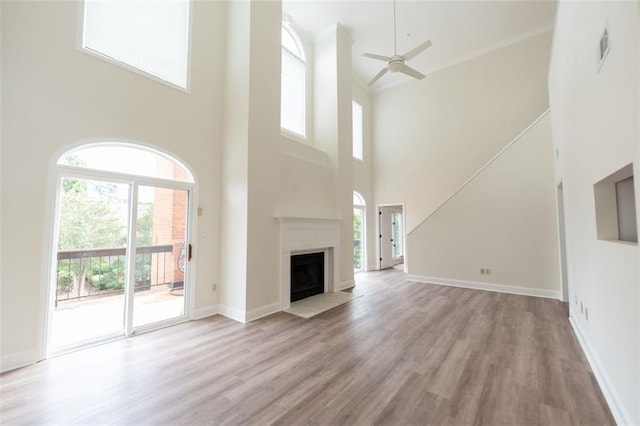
[(395, 64)]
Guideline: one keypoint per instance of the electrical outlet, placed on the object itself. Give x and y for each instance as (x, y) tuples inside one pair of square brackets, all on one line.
[(487, 271), (214, 287), (482, 271)]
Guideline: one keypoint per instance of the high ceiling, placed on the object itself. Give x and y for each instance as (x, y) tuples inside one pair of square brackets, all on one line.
[(458, 30)]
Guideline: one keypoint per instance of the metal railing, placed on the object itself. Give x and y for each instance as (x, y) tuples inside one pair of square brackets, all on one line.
[(100, 272)]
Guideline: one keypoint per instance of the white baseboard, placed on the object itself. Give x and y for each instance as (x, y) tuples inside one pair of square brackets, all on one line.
[(248, 316), (618, 412), (234, 314), (262, 311), (18, 360), (499, 288), (346, 284), (207, 311)]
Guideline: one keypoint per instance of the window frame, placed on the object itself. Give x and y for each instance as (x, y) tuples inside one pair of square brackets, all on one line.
[(302, 57), (80, 30), (360, 204), (354, 102)]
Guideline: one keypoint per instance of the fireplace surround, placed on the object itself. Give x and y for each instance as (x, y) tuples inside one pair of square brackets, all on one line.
[(304, 236)]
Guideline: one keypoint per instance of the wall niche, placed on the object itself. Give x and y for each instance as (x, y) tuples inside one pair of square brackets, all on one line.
[(615, 204)]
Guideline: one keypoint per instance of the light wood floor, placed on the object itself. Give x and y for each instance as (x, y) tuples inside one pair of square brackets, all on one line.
[(404, 353)]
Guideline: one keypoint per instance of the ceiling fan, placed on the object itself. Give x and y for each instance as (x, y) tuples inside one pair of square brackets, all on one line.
[(396, 63)]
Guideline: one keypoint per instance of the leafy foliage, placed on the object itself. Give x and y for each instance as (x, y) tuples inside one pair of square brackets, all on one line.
[(87, 216), (108, 274), (357, 239), (145, 227), (66, 276), (92, 216)]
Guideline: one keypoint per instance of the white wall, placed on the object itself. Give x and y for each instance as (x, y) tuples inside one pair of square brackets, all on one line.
[(234, 200), (504, 220), (251, 184), (54, 97), (263, 275), (306, 186), (1, 137), (595, 115), (431, 135), (333, 130)]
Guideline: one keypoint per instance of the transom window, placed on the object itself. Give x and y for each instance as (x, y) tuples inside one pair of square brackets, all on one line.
[(151, 36), (127, 159), (293, 97)]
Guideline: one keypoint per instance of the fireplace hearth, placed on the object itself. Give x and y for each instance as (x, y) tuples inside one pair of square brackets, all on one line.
[(307, 275)]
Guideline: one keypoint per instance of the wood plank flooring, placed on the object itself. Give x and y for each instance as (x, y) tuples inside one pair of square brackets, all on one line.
[(405, 353)]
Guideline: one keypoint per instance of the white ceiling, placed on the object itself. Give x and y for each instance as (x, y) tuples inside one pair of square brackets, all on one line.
[(458, 30)]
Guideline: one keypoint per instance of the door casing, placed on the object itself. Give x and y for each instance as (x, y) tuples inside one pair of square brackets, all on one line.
[(385, 257)]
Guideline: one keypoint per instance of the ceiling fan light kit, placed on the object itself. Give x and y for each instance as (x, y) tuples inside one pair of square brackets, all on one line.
[(396, 63)]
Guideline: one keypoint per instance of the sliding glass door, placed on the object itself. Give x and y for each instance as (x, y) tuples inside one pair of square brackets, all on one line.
[(91, 267), (161, 255), (121, 256)]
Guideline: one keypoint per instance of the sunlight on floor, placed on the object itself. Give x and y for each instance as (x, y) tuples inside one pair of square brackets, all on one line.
[(80, 320)]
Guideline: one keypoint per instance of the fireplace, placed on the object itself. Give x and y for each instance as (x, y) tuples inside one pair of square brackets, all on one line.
[(307, 275), (302, 236)]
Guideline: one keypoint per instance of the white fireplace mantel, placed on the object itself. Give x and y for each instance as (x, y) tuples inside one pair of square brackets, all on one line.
[(299, 234)]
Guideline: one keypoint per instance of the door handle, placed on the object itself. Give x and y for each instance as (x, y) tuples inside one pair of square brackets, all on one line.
[(189, 253)]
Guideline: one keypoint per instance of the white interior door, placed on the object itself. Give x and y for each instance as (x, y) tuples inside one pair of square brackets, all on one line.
[(391, 236)]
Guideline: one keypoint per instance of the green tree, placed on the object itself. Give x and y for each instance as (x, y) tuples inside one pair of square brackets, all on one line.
[(90, 217), (88, 221), (145, 226), (357, 239), (144, 236)]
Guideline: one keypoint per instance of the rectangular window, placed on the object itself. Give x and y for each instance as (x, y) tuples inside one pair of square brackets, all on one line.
[(293, 94), (396, 232), (152, 36), (357, 130)]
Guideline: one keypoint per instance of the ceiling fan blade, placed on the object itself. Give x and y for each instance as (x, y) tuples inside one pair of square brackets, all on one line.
[(378, 57), (382, 72), (413, 52), (406, 69)]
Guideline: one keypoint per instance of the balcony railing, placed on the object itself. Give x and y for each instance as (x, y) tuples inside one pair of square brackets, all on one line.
[(100, 272)]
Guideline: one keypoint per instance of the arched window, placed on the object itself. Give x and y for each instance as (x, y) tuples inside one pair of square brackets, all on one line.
[(358, 232), (358, 200), (126, 159), (293, 90)]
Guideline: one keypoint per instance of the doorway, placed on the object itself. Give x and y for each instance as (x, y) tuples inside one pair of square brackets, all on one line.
[(121, 248), (391, 246)]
